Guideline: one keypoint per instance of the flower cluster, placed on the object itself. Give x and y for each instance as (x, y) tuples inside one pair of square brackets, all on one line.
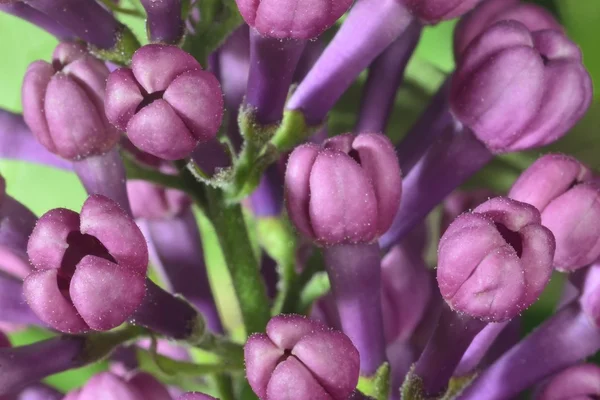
[(234, 245)]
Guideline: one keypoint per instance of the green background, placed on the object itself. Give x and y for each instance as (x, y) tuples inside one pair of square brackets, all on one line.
[(43, 188)]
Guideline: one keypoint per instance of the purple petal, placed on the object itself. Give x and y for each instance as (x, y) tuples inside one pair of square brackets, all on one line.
[(292, 380), (155, 66), (122, 98), (33, 93), (286, 330), (261, 357)]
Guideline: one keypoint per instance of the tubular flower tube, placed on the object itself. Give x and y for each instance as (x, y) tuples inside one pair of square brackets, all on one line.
[(568, 337), (267, 200), (63, 107), (385, 77), (300, 358), (568, 197), (578, 382), (370, 27), (78, 258), (13, 305), (79, 15), (321, 186), (503, 271), (176, 253), (37, 18), (22, 366), (165, 102), (164, 23), (552, 97)]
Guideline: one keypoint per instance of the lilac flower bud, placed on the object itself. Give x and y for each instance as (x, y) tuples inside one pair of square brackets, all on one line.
[(297, 19), (433, 11), (578, 382), (506, 265), (300, 358), (562, 189), (165, 102), (487, 13), (164, 23), (63, 103), (79, 258), (323, 184), (109, 386), (150, 201), (461, 201), (535, 78), (195, 396)]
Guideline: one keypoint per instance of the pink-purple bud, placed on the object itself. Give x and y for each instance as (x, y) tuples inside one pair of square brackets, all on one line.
[(494, 262), (90, 268), (580, 382), (347, 191), (461, 201), (568, 197), (106, 385), (195, 396), (433, 11), (63, 103), (299, 358), (292, 19), (165, 102), (150, 201), (518, 90), (487, 13)]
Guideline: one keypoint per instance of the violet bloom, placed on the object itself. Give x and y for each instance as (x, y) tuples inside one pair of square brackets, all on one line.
[(300, 358), (568, 197), (165, 102), (502, 271), (513, 90), (322, 186), (63, 105), (578, 382), (79, 259), (164, 23), (565, 339)]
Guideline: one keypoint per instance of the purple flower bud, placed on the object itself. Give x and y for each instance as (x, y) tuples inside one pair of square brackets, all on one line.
[(63, 103), (578, 382), (562, 189), (195, 396), (535, 78), (79, 259), (487, 13), (150, 201), (297, 19), (506, 265), (107, 385), (347, 191), (165, 102), (4, 342), (164, 23), (461, 201), (433, 11), (300, 358)]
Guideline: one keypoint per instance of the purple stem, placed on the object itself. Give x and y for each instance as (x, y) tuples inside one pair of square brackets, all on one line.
[(14, 309), (431, 124), (564, 340), (166, 314), (509, 337), (385, 77), (443, 352), (20, 366), (370, 27), (401, 355), (105, 175), (37, 18), (175, 248), (480, 347), (18, 143), (164, 23), (272, 65), (355, 274), (453, 158), (85, 18)]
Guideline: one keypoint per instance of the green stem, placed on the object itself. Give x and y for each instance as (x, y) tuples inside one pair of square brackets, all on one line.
[(100, 344), (224, 385), (232, 352), (136, 170), (249, 287), (292, 301)]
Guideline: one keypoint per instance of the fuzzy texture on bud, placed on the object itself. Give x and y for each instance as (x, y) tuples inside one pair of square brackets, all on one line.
[(292, 19), (299, 358), (346, 191), (494, 262), (90, 268), (63, 103), (165, 102), (434, 11), (487, 13), (578, 382), (518, 90), (564, 191)]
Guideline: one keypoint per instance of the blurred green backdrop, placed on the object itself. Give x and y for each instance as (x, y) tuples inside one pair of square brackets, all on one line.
[(43, 188)]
